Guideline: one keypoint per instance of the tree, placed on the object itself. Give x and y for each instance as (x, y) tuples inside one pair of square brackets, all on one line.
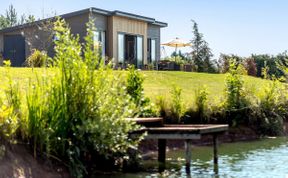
[(224, 61), (11, 16), (201, 53), (30, 19), (250, 66), (3, 22), (11, 19)]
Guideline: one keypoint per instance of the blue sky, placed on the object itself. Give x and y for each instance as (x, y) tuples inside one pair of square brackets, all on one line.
[(229, 26)]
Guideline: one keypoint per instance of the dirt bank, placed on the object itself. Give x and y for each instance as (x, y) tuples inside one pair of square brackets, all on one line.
[(17, 162)]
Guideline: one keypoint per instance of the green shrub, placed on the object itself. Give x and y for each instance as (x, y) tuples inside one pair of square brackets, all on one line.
[(79, 114), (235, 95), (37, 59), (161, 104), (176, 105), (136, 91), (201, 96), (236, 102), (271, 109), (10, 110)]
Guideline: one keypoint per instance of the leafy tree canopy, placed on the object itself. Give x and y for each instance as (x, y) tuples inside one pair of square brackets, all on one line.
[(11, 18), (201, 53)]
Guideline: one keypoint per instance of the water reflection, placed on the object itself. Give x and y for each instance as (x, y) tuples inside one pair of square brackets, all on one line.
[(264, 158)]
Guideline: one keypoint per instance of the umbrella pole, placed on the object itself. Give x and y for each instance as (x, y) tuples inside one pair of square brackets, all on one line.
[(175, 53)]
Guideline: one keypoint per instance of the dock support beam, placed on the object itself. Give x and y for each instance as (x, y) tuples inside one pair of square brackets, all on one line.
[(215, 148), (188, 154), (161, 154)]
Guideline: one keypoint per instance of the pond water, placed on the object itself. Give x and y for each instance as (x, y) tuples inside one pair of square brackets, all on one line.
[(262, 158)]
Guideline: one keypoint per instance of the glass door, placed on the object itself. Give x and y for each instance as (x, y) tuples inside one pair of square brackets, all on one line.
[(121, 48), (139, 52)]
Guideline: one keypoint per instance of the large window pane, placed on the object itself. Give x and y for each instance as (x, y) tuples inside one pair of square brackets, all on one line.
[(99, 42), (139, 51), (153, 51), (96, 39), (120, 48), (103, 43)]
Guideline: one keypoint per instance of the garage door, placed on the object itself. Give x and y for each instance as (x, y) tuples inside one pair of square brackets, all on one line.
[(14, 49)]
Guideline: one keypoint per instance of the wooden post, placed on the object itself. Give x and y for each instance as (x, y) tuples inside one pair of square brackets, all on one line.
[(161, 154), (188, 154), (215, 148), (161, 151)]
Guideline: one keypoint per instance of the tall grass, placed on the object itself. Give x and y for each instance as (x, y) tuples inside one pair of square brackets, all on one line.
[(177, 105), (79, 113), (201, 97), (10, 110)]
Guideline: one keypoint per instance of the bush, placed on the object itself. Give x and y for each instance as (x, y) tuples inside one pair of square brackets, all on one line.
[(162, 107), (176, 106), (10, 111), (79, 114), (236, 97), (271, 110), (201, 96), (37, 59), (136, 91), (251, 67)]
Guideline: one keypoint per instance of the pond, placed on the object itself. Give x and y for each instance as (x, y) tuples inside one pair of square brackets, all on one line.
[(262, 158)]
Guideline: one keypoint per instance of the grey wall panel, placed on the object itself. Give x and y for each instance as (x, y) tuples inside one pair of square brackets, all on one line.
[(78, 25), (154, 33), (100, 21), (35, 38)]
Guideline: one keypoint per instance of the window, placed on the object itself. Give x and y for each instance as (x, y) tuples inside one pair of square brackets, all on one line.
[(120, 48), (151, 50), (139, 51), (99, 42)]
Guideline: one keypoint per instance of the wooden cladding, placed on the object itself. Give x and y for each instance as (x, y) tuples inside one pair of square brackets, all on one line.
[(129, 26)]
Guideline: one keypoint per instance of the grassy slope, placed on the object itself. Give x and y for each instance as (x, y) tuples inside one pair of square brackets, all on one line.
[(158, 83)]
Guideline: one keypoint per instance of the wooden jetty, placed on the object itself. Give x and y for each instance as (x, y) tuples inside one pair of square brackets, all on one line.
[(155, 129)]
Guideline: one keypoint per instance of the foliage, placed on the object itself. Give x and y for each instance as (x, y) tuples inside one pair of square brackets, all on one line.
[(282, 64), (79, 113), (176, 105), (134, 84), (255, 63), (162, 107), (250, 66), (37, 59), (271, 110), (10, 112), (201, 96), (30, 19), (180, 55), (177, 59), (271, 62), (235, 98), (225, 60), (3, 22), (201, 53), (236, 102), (10, 18), (136, 91)]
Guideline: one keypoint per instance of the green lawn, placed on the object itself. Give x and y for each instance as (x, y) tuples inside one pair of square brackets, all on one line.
[(160, 83), (157, 82)]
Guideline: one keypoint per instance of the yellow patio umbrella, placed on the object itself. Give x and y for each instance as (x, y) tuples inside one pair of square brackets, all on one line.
[(177, 43)]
